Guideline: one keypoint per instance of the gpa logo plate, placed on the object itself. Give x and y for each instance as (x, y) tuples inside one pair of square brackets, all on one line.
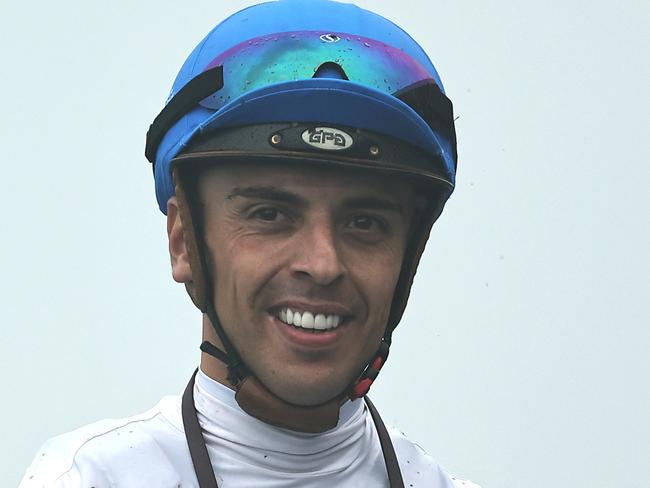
[(327, 138)]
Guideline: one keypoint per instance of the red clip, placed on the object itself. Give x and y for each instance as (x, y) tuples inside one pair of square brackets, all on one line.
[(377, 363), (361, 388)]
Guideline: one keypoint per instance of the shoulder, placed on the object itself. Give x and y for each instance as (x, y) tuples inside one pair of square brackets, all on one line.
[(416, 464), (91, 455)]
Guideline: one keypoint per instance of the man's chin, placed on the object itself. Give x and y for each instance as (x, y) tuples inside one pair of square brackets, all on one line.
[(306, 393)]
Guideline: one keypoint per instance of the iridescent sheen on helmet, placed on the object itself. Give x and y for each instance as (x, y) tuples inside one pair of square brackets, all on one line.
[(290, 56)]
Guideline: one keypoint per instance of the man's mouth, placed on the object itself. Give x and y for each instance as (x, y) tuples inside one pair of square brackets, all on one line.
[(304, 319)]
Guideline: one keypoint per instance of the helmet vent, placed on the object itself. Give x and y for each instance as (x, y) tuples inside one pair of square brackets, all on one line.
[(330, 69)]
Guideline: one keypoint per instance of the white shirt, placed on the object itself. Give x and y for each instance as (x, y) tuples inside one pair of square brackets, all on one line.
[(150, 450)]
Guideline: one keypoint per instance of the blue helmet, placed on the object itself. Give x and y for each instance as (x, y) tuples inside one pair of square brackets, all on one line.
[(305, 61)]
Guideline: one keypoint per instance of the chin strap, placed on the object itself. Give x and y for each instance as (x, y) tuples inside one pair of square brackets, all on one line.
[(237, 371), (259, 402), (361, 387)]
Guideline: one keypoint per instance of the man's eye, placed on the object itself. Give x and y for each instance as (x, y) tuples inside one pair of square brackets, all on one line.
[(363, 222), (266, 214)]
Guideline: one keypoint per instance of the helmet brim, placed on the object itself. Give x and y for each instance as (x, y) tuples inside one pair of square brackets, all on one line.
[(318, 101)]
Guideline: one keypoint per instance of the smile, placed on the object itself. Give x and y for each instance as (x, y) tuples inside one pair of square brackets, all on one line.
[(309, 320)]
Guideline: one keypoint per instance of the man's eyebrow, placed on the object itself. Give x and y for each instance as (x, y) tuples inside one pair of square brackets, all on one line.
[(375, 203), (265, 193), (276, 195)]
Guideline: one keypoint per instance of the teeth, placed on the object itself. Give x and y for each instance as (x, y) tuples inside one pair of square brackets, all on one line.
[(333, 321), (320, 322), (309, 320)]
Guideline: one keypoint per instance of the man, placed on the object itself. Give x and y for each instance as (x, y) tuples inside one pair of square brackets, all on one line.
[(305, 152)]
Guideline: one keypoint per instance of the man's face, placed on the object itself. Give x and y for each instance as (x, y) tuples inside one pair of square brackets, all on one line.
[(305, 261)]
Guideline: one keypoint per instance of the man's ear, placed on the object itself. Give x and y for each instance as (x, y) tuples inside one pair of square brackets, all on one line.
[(181, 270)]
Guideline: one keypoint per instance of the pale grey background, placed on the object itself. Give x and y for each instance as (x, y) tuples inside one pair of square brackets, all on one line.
[(523, 358)]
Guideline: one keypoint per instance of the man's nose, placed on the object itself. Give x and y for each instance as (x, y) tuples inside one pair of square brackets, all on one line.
[(318, 255)]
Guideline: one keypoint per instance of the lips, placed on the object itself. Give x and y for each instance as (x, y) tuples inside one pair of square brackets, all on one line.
[(309, 319)]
